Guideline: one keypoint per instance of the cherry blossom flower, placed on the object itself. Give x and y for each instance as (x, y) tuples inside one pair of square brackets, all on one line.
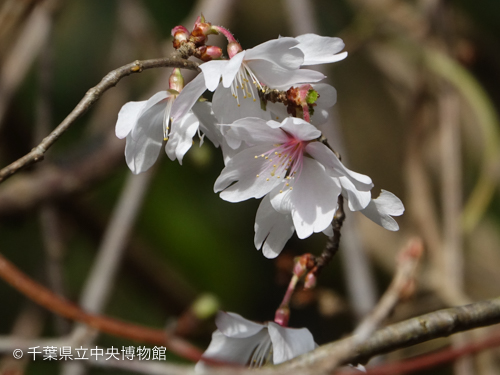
[(147, 124), (273, 63), (241, 341), (301, 176)]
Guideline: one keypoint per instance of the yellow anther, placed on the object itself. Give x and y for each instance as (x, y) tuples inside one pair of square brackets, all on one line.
[(291, 188), (267, 179), (165, 138), (287, 184), (254, 100), (267, 157), (281, 191), (258, 176), (276, 153), (238, 105)]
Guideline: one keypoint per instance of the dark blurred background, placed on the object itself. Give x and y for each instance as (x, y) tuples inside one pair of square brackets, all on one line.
[(417, 111)]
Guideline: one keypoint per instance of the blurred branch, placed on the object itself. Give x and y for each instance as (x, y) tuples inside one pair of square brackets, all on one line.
[(110, 80), (28, 45), (402, 285), (63, 307), (478, 99)]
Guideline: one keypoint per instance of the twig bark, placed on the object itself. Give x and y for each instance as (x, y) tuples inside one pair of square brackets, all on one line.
[(110, 80), (441, 323), (432, 360)]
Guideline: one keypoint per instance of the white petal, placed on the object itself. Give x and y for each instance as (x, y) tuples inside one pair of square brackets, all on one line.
[(145, 140), (313, 200), (320, 49), (289, 343), (141, 153), (381, 209), (300, 129), (127, 117), (234, 325), (212, 72), (327, 95), (188, 97), (275, 76), (208, 122), (229, 349), (271, 229), (326, 157), (357, 200), (231, 69), (181, 138), (255, 131), (241, 171), (226, 107), (278, 51)]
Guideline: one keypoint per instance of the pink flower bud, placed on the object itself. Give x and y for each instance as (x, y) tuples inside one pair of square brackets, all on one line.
[(200, 32), (207, 53), (233, 48), (310, 281), (282, 316), (303, 264), (181, 36)]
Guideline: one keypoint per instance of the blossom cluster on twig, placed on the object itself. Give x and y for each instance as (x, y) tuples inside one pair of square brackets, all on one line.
[(263, 115)]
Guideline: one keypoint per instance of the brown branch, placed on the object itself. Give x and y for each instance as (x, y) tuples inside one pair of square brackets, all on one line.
[(333, 243), (63, 307), (432, 360), (441, 323), (110, 80)]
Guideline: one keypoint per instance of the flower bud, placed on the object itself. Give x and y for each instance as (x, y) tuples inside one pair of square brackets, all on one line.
[(303, 264), (176, 80), (181, 36), (310, 281), (233, 48), (207, 53), (200, 32), (282, 316)]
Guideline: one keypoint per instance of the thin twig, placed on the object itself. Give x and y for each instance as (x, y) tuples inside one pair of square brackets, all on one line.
[(333, 243), (110, 80), (401, 284), (63, 307)]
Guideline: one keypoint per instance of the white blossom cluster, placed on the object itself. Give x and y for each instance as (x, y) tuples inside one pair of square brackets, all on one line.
[(268, 154)]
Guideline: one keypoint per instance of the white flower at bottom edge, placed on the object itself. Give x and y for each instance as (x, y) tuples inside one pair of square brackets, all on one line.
[(241, 341), (145, 126)]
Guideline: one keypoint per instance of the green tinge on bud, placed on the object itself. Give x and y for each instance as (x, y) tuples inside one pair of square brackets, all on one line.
[(176, 80), (205, 306), (312, 96)]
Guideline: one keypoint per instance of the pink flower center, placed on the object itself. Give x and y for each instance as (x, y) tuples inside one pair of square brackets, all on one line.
[(284, 161)]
